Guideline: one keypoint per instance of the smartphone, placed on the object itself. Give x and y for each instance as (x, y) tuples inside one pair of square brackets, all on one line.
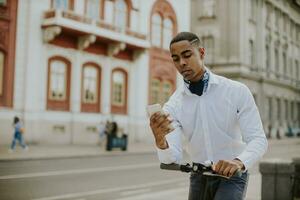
[(151, 109), (156, 108)]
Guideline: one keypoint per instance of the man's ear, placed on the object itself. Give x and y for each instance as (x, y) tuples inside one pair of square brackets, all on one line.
[(202, 52)]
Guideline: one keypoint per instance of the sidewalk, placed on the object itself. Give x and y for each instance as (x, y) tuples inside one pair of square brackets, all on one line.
[(43, 151), (64, 151)]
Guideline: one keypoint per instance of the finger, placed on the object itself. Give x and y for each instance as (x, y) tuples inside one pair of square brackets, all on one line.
[(218, 166), (162, 121), (232, 171), (227, 170), (223, 167)]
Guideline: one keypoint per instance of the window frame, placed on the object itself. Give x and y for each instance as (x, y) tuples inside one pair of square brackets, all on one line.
[(91, 106), (2, 73), (100, 9), (70, 5), (115, 107), (159, 45), (53, 104)]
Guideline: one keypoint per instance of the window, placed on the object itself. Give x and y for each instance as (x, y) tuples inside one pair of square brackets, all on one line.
[(167, 33), (108, 12), (292, 111), (118, 88), (62, 4), (58, 70), (291, 28), (298, 114), (277, 13), (3, 2), (93, 9), (268, 59), (166, 91), (90, 84), (278, 109), (120, 14), (297, 70), (155, 91), (208, 43), (252, 9), (208, 8), (2, 56), (156, 30), (251, 53), (276, 62), (284, 64), (270, 108), (286, 109), (160, 91)]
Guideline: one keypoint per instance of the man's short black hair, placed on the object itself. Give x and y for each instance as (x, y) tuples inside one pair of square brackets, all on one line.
[(191, 37)]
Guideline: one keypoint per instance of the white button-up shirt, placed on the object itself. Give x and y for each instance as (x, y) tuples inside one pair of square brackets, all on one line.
[(221, 124)]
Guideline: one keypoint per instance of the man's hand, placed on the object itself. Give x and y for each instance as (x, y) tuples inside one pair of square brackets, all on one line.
[(228, 167), (161, 126)]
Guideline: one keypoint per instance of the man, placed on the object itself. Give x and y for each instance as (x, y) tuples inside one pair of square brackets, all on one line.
[(217, 116)]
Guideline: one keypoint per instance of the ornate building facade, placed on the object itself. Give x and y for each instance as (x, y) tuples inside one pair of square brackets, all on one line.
[(66, 65), (256, 42)]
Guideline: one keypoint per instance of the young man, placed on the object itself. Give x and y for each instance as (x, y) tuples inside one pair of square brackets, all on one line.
[(217, 116)]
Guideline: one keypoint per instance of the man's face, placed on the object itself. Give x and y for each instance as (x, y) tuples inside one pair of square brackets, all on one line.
[(188, 60)]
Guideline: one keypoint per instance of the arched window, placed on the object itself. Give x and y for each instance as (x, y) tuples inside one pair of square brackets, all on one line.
[(109, 12), (58, 83), (268, 55), (156, 30), (2, 59), (166, 91), (160, 91), (63, 4), (284, 62), (155, 91), (90, 97), (90, 84), (167, 32), (118, 88), (251, 53), (120, 14), (58, 86), (276, 55), (208, 43), (93, 9), (119, 91)]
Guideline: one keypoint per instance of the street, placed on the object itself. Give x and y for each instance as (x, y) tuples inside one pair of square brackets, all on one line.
[(104, 177), (111, 177)]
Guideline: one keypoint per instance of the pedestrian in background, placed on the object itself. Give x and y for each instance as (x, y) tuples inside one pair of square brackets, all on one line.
[(102, 134), (18, 135)]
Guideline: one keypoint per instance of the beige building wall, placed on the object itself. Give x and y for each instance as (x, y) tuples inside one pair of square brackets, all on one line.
[(256, 42)]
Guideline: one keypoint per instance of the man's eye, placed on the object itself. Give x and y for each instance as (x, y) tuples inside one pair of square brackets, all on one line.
[(187, 55), (175, 59)]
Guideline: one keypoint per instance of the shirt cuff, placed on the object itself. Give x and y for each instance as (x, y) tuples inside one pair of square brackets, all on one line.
[(165, 155)]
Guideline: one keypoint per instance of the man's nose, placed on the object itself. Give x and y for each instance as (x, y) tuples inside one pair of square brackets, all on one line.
[(182, 63)]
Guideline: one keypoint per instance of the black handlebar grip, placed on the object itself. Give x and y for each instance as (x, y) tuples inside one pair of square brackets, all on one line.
[(171, 166)]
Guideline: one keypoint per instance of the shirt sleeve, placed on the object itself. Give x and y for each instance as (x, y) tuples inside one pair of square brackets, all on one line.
[(251, 128), (173, 154)]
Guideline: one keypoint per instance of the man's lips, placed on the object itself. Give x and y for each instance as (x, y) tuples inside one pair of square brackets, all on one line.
[(186, 73)]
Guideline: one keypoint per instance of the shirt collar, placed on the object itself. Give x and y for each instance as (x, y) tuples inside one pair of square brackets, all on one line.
[(213, 80)]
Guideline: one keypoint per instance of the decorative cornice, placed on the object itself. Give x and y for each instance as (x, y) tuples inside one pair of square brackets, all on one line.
[(85, 41), (51, 32), (114, 49)]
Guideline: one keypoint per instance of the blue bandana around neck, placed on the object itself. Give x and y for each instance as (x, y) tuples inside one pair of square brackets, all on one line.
[(200, 86)]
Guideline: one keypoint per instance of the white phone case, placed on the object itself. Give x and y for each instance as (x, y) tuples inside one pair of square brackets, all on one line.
[(151, 109)]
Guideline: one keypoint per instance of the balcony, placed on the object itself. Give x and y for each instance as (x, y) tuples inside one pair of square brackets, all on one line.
[(86, 32)]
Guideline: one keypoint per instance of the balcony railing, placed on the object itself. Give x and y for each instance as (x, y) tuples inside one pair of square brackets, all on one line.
[(99, 28)]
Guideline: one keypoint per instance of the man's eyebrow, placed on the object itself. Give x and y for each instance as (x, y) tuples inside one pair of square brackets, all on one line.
[(185, 51)]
